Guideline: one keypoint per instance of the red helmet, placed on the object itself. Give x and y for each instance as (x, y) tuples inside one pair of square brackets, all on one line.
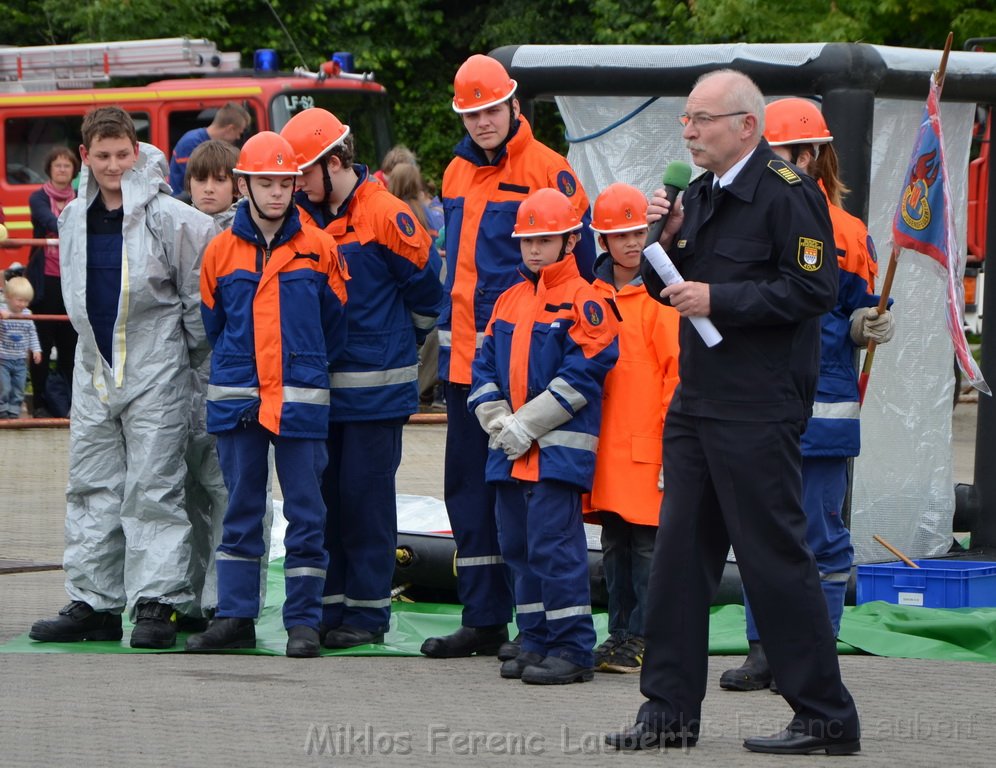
[(546, 212), (312, 133), (267, 154), (795, 121), (620, 208), (481, 82)]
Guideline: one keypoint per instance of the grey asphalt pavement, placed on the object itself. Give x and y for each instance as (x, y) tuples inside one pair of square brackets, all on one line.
[(172, 709)]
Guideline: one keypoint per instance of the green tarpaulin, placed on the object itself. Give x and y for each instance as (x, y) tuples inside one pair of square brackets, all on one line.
[(967, 634)]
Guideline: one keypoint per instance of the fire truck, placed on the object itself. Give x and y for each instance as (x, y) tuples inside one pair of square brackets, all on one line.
[(46, 90)]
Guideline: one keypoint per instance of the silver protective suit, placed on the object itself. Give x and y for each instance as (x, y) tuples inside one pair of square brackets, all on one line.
[(127, 532)]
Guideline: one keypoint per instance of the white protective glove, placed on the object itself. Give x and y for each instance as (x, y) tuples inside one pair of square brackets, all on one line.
[(868, 325), (492, 416), (533, 420), (660, 480)]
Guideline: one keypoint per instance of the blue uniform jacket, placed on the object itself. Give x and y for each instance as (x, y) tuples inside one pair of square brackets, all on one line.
[(394, 299), (568, 343), (275, 319)]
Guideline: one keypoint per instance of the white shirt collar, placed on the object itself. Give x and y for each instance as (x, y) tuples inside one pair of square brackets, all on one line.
[(727, 178)]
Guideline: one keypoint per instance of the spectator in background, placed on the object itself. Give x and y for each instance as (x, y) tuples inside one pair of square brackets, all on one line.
[(18, 339), (407, 184), (229, 123), (46, 204), (397, 155)]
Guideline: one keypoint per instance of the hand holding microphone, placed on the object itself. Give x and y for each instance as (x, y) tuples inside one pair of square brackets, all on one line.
[(676, 178)]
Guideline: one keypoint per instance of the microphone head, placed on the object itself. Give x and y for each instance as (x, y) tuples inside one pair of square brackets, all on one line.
[(677, 174)]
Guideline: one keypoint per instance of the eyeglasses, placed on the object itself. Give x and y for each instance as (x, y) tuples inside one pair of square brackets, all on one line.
[(704, 118)]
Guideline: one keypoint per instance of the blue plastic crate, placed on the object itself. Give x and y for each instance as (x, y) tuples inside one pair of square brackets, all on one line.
[(935, 584)]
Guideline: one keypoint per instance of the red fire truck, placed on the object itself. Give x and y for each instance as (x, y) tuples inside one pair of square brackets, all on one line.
[(45, 91)]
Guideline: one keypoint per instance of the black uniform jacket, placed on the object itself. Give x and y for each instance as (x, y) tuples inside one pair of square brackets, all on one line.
[(766, 248)]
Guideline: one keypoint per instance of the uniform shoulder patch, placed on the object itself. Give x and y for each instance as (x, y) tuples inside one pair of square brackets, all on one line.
[(784, 171), (566, 183), (405, 223), (593, 312), (810, 254)]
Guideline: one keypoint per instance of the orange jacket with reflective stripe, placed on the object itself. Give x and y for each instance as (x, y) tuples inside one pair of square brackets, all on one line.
[(555, 334), (480, 201), (275, 319), (634, 402)]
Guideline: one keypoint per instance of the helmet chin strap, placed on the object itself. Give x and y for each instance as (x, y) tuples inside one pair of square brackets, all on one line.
[(259, 211)]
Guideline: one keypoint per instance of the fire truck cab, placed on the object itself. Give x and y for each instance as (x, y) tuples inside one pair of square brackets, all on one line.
[(46, 90)]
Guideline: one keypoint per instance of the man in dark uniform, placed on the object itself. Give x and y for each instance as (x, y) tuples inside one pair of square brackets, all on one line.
[(756, 248)]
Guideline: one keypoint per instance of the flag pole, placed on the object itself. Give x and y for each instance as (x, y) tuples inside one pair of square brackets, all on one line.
[(883, 302)]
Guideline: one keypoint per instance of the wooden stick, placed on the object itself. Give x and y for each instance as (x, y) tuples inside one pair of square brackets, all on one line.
[(895, 551)]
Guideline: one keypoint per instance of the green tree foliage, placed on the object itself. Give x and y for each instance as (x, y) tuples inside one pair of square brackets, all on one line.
[(415, 46)]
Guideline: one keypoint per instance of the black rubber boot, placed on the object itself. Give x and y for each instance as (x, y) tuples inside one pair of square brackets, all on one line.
[(75, 623), (466, 641), (510, 649), (224, 634), (554, 670), (512, 669), (303, 642), (753, 675), (155, 625), (347, 636)]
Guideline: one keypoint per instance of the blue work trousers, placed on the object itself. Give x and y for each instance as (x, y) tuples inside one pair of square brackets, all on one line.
[(361, 527), (300, 463), (484, 585), (543, 541)]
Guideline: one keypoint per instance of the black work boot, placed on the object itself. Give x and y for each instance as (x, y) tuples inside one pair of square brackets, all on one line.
[(302, 642), (466, 641), (224, 634), (75, 623), (155, 625), (753, 675), (512, 669), (348, 636), (554, 670), (510, 648)]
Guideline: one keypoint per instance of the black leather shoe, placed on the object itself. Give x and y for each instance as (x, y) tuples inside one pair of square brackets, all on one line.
[(789, 742), (644, 736), (75, 623), (554, 670), (466, 641), (155, 625), (224, 634), (510, 649), (346, 636), (512, 669), (302, 642), (753, 675)]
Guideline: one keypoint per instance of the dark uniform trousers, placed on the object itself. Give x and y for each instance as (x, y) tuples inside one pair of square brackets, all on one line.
[(484, 583), (737, 482)]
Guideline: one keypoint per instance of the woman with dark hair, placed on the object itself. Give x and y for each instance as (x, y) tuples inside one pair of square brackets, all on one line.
[(61, 167)]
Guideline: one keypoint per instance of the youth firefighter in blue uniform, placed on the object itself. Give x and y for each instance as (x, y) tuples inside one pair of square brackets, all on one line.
[(394, 295), (537, 393)]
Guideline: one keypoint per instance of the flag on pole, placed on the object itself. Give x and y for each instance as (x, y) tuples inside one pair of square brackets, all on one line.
[(924, 223)]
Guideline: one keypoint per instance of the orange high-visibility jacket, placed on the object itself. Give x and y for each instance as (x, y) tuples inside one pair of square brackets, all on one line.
[(634, 403)]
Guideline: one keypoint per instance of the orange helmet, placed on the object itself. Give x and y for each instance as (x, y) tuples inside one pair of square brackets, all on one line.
[(620, 208), (312, 133), (267, 154), (546, 212), (795, 121), (481, 82)]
